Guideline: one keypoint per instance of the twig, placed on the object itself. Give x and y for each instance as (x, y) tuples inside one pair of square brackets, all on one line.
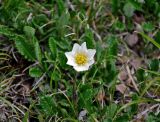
[(147, 110), (132, 80)]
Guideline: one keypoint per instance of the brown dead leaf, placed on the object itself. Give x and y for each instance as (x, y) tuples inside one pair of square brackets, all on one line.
[(132, 39), (122, 75), (101, 95), (136, 63), (122, 88)]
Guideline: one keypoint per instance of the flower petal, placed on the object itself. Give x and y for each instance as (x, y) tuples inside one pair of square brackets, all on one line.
[(91, 53), (70, 58), (90, 62), (75, 48), (69, 55), (84, 47), (81, 68)]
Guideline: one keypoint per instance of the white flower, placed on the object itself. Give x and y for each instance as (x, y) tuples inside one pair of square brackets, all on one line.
[(80, 57)]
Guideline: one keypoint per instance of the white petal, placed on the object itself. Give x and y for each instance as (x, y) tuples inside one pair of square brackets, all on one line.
[(91, 53), (71, 62), (90, 62), (70, 58), (69, 55), (81, 68), (75, 48), (84, 47)]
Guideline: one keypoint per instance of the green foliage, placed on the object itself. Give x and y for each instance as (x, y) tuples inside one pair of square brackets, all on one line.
[(53, 47), (4, 30), (111, 110), (115, 5), (43, 31), (89, 38), (154, 65), (29, 31), (113, 46), (25, 48), (47, 106), (148, 27), (38, 52), (150, 39), (35, 72), (128, 9), (119, 26)]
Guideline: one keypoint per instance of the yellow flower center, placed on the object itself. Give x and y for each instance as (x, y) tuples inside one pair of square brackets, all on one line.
[(81, 58)]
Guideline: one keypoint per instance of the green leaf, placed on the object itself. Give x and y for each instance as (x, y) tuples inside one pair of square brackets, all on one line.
[(123, 118), (119, 26), (157, 37), (149, 39), (35, 72), (89, 38), (62, 59), (111, 110), (140, 75), (26, 117), (47, 105), (25, 48), (112, 45), (99, 50), (63, 44), (137, 5), (55, 76), (147, 26), (150, 118), (155, 65), (62, 21), (61, 6), (115, 5), (29, 31), (4, 30), (38, 51), (53, 47), (128, 9)]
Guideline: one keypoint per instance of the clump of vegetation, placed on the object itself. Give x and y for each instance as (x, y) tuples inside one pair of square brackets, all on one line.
[(120, 84)]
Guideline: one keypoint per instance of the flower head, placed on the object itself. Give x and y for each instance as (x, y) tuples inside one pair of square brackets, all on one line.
[(80, 57)]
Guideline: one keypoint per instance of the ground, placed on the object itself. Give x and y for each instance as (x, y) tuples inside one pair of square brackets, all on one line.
[(36, 84)]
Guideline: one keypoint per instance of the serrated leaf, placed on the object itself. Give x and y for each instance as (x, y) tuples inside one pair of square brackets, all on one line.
[(4, 30), (128, 9), (89, 38), (53, 47), (47, 105), (62, 59), (112, 45), (119, 26), (111, 110), (29, 31), (25, 48), (35, 72), (38, 51), (55, 76), (147, 26), (63, 44), (63, 20)]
